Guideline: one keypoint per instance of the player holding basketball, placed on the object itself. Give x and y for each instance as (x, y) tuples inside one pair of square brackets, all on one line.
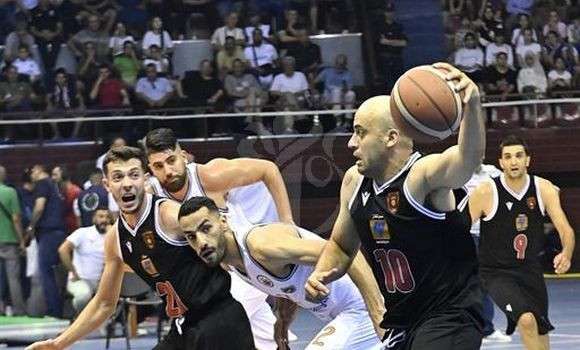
[(254, 185), (512, 208), (277, 259), (146, 237), (400, 206)]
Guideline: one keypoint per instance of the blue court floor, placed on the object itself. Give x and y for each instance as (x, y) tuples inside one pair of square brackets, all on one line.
[(564, 297)]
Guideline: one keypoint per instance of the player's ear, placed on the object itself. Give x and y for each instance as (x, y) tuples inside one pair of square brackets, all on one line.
[(391, 137)]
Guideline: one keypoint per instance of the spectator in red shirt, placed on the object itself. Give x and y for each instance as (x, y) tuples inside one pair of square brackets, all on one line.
[(70, 193), (108, 91)]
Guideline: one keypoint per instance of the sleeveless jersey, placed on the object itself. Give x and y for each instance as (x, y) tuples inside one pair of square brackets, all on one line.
[(423, 261), (512, 234), (170, 266), (343, 296), (254, 202)]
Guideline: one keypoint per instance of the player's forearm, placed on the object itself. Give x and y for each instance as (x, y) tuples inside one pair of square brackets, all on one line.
[(361, 274), (36, 214), (568, 241), (275, 183), (334, 257), (92, 316)]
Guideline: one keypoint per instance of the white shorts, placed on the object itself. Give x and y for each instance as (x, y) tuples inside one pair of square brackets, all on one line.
[(351, 330), (259, 312)]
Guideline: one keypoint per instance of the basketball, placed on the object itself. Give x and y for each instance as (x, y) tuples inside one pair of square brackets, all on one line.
[(425, 106)]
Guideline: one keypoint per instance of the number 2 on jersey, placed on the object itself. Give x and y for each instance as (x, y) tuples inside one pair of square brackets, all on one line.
[(396, 269), (520, 245), (174, 306)]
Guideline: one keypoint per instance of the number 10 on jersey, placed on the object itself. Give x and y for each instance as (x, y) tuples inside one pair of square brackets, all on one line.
[(396, 270)]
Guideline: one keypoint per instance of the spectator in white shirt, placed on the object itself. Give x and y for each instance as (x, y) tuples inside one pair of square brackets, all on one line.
[(156, 58), (157, 36), (290, 87), (262, 58), (25, 64), (496, 47), (528, 46), (83, 255), (518, 33), (469, 59), (554, 24), (532, 77), (119, 38), (152, 90), (218, 38), (256, 23), (559, 79)]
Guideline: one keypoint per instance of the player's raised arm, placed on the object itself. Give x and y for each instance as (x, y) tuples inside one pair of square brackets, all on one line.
[(455, 166), (101, 306), (551, 198), (342, 246), (224, 174)]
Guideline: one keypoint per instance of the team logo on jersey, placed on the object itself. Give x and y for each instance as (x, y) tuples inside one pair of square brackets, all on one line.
[(521, 222), (129, 246), (393, 202), (148, 266), (379, 227), (531, 203), (90, 201), (265, 281), (149, 239), (289, 289)]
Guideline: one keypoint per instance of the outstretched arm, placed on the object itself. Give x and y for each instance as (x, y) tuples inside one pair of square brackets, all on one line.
[(342, 247), (455, 166), (551, 200), (222, 175), (100, 307)]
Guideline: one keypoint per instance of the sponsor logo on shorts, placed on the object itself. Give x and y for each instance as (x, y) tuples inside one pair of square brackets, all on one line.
[(393, 202), (379, 228), (148, 266), (521, 222), (265, 281), (149, 239), (531, 203)]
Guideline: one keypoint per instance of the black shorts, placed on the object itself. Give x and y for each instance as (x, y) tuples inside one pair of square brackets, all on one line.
[(226, 327), (517, 291), (453, 330)]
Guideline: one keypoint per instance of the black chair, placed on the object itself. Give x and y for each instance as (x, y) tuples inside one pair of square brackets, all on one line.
[(134, 291)]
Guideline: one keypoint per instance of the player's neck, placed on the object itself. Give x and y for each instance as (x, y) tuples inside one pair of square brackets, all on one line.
[(133, 218), (516, 184), (393, 166), (232, 254)]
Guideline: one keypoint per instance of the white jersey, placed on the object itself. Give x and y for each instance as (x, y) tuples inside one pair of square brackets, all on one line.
[(486, 172), (254, 202), (343, 296)]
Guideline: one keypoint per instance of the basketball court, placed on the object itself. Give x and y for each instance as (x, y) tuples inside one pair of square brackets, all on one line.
[(564, 314)]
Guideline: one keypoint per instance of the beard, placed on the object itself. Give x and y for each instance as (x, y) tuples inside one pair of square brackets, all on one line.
[(102, 228), (176, 183)]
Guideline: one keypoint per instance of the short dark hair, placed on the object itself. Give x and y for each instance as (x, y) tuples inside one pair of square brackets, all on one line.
[(469, 35), (159, 140), (513, 140), (193, 204), (123, 153), (64, 171), (501, 53)]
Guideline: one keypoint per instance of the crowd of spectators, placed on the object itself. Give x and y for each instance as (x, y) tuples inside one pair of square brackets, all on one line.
[(517, 46), (52, 239), (123, 50)]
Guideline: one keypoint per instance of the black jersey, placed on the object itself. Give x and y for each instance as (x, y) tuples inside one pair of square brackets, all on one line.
[(170, 266), (411, 250), (512, 235)]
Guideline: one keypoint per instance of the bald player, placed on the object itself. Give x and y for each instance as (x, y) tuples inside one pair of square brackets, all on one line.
[(400, 206)]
